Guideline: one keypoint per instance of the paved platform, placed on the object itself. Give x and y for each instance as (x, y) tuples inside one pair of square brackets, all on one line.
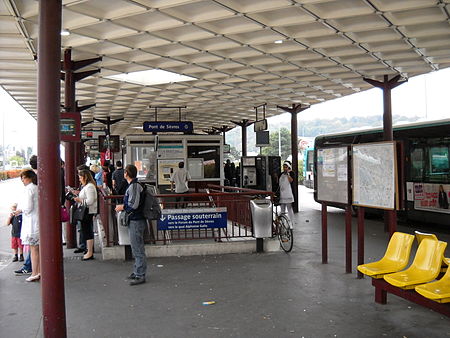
[(256, 295)]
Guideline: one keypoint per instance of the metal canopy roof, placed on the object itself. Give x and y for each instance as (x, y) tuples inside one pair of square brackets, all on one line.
[(229, 47)]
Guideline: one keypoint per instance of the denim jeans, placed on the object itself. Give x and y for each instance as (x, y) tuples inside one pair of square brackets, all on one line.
[(136, 232), (27, 263)]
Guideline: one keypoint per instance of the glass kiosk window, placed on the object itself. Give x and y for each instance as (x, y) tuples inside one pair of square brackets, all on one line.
[(211, 159), (141, 158)]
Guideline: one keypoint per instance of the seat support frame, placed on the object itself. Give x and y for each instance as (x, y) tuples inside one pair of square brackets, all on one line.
[(382, 288)]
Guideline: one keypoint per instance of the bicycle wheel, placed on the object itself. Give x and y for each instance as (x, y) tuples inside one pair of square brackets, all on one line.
[(285, 234)]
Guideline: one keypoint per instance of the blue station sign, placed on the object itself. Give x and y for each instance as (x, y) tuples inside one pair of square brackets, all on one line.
[(168, 126), (201, 218)]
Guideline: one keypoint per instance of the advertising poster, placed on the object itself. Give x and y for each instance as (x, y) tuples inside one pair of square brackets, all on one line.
[(432, 197)]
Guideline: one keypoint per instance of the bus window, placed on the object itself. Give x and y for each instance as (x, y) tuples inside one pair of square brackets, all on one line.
[(439, 163), (417, 164)]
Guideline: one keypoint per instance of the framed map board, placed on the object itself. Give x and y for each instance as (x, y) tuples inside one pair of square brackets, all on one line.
[(375, 175), (332, 178)]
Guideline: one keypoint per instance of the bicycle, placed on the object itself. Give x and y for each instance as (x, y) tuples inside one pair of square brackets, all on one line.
[(283, 230)]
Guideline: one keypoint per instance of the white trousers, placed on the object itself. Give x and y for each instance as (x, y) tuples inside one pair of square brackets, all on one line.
[(290, 211)]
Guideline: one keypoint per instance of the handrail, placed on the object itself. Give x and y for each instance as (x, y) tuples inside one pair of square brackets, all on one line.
[(245, 191)]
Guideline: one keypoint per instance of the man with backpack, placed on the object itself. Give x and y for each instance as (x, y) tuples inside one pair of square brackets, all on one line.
[(132, 205)]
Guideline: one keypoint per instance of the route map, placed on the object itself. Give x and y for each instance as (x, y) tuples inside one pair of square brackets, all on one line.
[(374, 175)]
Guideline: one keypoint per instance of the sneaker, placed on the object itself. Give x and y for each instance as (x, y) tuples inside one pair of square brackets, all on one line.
[(15, 259), (22, 272), (21, 258), (131, 276), (80, 250), (137, 280)]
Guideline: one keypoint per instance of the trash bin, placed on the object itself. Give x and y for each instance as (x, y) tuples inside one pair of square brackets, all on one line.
[(261, 217)]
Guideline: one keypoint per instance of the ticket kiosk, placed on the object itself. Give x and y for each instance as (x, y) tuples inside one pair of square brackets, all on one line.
[(157, 156), (260, 172)]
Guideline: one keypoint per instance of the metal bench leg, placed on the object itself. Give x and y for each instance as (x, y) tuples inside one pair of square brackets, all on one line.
[(380, 295)]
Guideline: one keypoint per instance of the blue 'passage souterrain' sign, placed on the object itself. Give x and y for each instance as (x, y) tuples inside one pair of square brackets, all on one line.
[(168, 126), (201, 218)]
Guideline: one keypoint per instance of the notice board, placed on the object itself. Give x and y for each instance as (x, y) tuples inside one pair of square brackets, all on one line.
[(375, 175), (332, 178)]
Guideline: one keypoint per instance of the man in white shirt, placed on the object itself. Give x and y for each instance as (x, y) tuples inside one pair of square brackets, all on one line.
[(180, 178)]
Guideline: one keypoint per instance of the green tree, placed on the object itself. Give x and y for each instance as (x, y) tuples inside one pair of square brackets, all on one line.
[(273, 148), (20, 160)]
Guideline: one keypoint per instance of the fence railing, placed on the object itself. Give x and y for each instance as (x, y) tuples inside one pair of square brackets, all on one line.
[(235, 200)]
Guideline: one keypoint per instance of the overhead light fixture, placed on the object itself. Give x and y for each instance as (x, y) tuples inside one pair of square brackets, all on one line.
[(278, 41), (65, 32), (151, 77)]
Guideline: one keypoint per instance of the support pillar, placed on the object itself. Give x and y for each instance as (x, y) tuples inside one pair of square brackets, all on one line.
[(223, 130), (243, 124), (296, 108), (70, 167), (360, 239), (390, 216), (70, 105), (48, 102)]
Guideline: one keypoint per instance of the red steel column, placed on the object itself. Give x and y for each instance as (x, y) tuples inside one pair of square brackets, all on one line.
[(390, 216), (70, 167), (296, 108), (360, 239), (348, 239), (324, 234), (70, 180), (388, 135), (294, 152), (48, 102)]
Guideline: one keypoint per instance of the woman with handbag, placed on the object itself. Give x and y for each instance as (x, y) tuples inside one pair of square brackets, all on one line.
[(30, 220), (87, 199)]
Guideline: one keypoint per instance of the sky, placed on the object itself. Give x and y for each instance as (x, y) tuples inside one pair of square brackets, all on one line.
[(425, 96)]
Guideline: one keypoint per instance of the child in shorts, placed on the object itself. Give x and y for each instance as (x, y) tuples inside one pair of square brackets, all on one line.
[(16, 243)]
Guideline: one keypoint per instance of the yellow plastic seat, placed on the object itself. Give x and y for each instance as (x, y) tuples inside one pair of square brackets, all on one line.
[(395, 259), (425, 267), (421, 235), (438, 291)]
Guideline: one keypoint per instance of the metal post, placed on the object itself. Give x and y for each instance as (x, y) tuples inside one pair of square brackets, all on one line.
[(260, 245), (296, 108), (360, 239), (294, 151), (390, 216), (71, 241), (69, 154), (348, 239), (324, 234), (244, 139), (51, 258)]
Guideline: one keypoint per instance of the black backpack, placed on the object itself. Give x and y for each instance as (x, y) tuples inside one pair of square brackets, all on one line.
[(149, 204)]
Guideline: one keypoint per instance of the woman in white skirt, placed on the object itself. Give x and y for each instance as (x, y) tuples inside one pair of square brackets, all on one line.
[(30, 220), (286, 195)]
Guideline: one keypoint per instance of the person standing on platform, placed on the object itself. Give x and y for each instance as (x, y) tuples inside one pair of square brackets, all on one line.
[(137, 224), (88, 198), (119, 183), (26, 269), (16, 243), (286, 180), (30, 220), (180, 178)]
